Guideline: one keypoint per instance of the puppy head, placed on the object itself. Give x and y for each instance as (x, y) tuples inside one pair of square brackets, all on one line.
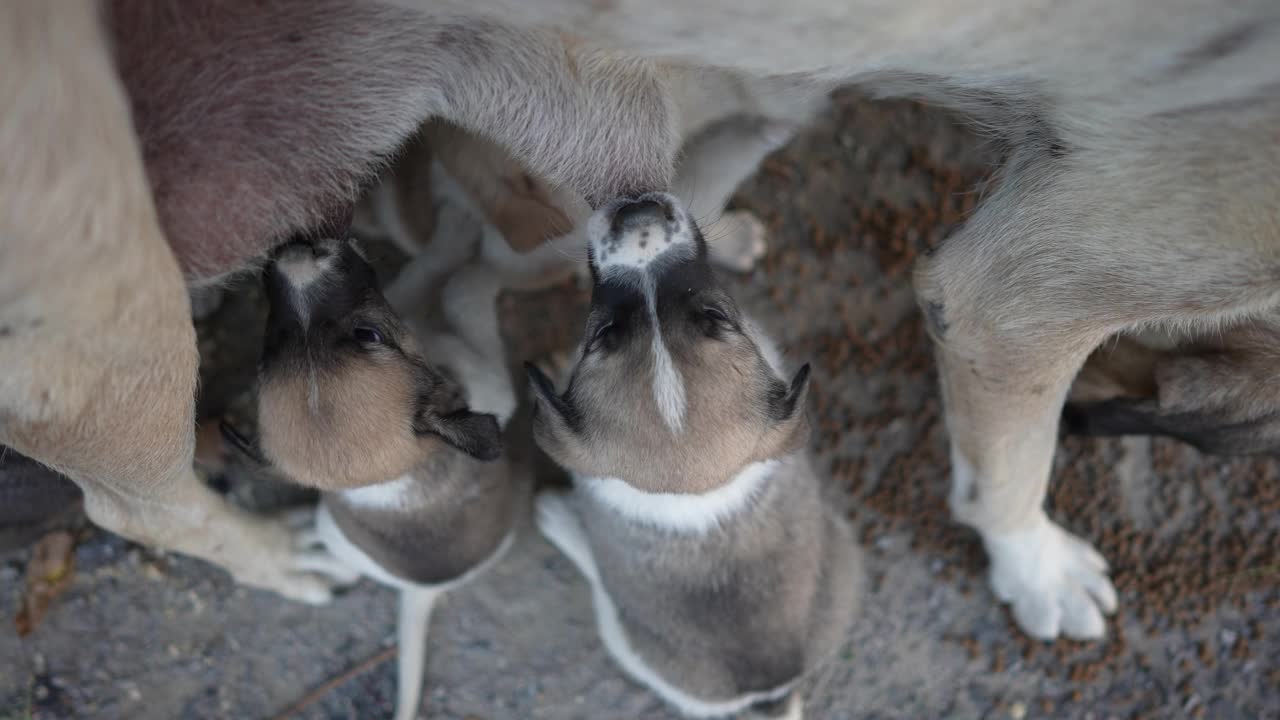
[(344, 398), (674, 389)]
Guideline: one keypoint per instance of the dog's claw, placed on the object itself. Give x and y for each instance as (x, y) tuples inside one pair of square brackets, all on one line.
[(1055, 582)]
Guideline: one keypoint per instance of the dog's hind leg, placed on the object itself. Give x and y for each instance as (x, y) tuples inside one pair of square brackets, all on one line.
[(97, 351), (1062, 256)]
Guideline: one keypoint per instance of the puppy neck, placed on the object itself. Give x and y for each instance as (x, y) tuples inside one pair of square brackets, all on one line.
[(682, 512)]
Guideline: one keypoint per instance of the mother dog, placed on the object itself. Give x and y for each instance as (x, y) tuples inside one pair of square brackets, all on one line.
[(1140, 189)]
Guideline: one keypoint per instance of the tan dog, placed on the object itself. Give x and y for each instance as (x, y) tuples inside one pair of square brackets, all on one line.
[(398, 425), (719, 577), (142, 142), (1138, 190)]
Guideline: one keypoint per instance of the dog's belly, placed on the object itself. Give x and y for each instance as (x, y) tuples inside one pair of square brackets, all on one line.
[(259, 119)]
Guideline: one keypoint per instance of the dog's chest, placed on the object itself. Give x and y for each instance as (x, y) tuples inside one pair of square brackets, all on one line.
[(429, 531), (727, 609)]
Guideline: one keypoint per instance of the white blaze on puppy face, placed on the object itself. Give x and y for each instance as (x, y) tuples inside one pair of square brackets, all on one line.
[(630, 241)]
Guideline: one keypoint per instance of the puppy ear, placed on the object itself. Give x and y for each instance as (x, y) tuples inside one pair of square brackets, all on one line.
[(790, 429), (476, 434), (245, 446), (792, 402), (559, 412)]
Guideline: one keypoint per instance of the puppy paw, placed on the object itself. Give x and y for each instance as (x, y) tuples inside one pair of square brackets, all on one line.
[(737, 241), (1056, 582)]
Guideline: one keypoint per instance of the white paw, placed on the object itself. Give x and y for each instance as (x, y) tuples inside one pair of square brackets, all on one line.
[(294, 564), (1056, 582), (737, 240), (554, 516)]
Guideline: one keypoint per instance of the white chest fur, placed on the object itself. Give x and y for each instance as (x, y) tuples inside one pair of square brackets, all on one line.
[(680, 512)]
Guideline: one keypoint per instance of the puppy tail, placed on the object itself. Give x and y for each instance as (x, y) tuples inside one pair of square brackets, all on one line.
[(415, 616), (1113, 417)]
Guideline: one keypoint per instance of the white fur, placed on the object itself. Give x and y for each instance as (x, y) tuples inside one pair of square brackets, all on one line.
[(557, 522), (387, 495), (411, 631), (681, 512), (302, 270), (1055, 581), (631, 253), (668, 383)]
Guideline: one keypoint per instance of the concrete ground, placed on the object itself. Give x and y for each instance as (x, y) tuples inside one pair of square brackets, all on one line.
[(1193, 540)]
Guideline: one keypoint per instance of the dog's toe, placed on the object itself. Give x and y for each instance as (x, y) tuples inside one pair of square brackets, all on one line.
[(307, 588), (321, 562), (1056, 582)]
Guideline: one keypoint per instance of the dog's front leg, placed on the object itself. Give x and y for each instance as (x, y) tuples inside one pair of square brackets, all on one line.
[(1008, 344), (97, 351)]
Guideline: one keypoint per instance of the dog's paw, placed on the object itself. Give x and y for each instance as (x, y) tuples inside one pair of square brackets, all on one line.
[(737, 241), (1055, 582), (290, 560)]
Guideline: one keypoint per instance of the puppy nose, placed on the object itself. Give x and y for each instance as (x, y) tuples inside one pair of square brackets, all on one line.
[(641, 212)]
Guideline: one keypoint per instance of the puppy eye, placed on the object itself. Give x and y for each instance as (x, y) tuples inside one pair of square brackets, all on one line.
[(367, 335), (715, 314), (602, 333)]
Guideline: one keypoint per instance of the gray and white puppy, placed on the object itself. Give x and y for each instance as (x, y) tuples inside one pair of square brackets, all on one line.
[(718, 575), (400, 427)]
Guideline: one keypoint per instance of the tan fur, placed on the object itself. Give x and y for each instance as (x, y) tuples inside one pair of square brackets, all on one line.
[(1139, 190), (525, 210), (358, 432), (627, 438), (97, 352)]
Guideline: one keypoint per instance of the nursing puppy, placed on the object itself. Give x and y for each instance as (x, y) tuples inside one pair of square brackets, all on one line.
[(398, 426), (719, 578)]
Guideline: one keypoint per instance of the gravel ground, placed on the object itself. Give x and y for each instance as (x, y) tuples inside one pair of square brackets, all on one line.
[(1192, 540)]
